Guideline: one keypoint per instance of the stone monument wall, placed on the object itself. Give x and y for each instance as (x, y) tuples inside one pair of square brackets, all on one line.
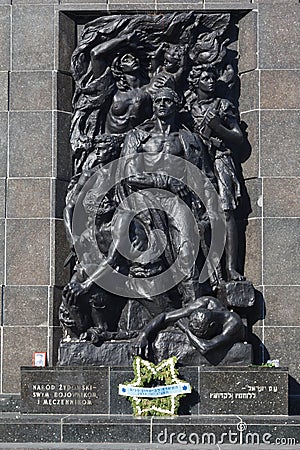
[(37, 39)]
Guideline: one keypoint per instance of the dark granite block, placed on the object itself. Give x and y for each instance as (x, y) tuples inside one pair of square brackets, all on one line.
[(2, 197), (250, 149), (281, 251), (280, 152), (83, 1), (65, 390), (31, 90), (119, 404), (282, 305), (274, 2), (62, 150), (60, 250), (66, 32), (195, 2), (227, 5), (25, 305), (20, 429), (226, 431), (281, 197), (3, 143), (189, 434), (28, 197), (35, 2), (55, 293), (279, 89), (10, 403), (107, 430), (2, 247), (278, 36), (19, 343), (190, 403), (244, 391), (28, 251), (59, 189), (5, 12), (55, 336), (227, 1), (283, 344), (294, 405), (134, 7), (32, 37), (254, 193), (3, 91), (248, 42), (30, 144), (64, 89), (249, 98), (253, 252), (260, 435)]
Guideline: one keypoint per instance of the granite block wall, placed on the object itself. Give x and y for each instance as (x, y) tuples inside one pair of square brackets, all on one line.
[(37, 39)]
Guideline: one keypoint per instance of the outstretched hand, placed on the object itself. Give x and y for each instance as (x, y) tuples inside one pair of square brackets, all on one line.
[(140, 346)]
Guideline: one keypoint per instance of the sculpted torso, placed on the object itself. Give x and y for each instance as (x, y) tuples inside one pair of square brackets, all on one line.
[(128, 109)]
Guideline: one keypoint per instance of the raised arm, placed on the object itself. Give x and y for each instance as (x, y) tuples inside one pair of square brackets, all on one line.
[(98, 53)]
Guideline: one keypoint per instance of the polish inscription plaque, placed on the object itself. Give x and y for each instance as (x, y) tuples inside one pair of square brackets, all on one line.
[(62, 390)]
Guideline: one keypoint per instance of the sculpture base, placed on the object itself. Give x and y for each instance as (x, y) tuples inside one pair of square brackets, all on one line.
[(125, 432), (94, 390), (119, 353)]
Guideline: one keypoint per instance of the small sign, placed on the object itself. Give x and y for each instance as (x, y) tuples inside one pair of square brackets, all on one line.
[(39, 359), (155, 392)]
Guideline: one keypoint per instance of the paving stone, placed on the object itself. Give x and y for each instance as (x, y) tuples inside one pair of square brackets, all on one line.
[(5, 12), (28, 197), (28, 251), (25, 305), (249, 98), (3, 91), (30, 144), (3, 143), (253, 252), (280, 152), (60, 250), (283, 344), (278, 36), (66, 41), (279, 89), (29, 339), (281, 251), (2, 251), (250, 149), (2, 197), (281, 197), (31, 91), (279, 299), (32, 37)]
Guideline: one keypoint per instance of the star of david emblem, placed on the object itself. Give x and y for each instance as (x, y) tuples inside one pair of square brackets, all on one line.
[(166, 388)]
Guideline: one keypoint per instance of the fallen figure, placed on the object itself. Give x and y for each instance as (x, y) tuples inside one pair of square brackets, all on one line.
[(207, 323)]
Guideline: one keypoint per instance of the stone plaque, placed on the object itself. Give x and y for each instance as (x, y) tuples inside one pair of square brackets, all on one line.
[(59, 390), (244, 391)]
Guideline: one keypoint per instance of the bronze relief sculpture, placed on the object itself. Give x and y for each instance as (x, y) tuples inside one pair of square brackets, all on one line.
[(150, 209)]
